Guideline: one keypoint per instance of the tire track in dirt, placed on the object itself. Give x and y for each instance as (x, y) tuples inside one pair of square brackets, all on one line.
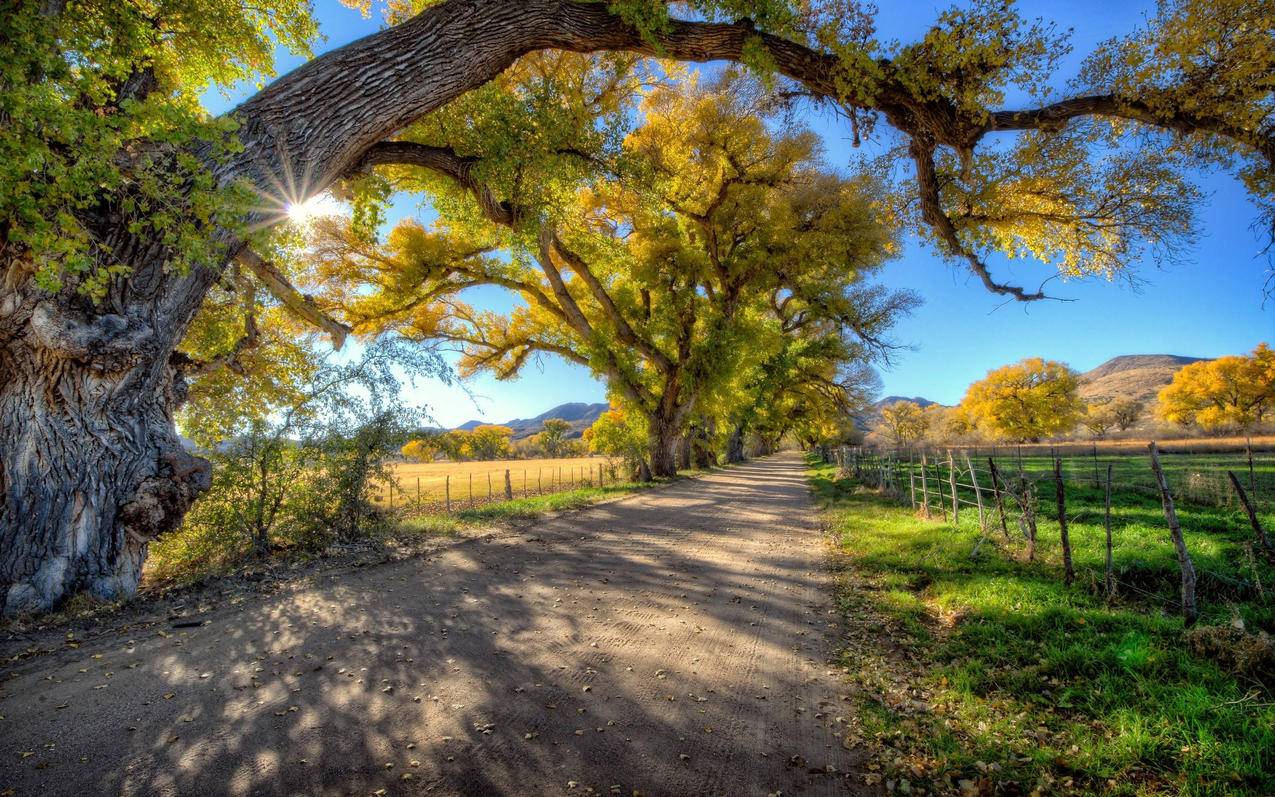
[(673, 642)]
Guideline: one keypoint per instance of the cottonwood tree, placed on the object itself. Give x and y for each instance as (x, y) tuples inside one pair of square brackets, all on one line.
[(553, 437), (1236, 392), (905, 422), (123, 204), (1026, 401), (659, 275)]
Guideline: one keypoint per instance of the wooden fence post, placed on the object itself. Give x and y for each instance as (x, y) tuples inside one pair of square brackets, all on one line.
[(956, 499), (509, 488), (938, 478), (996, 491), (1096, 484), (1109, 580), (391, 494), (524, 482), (418, 490), (925, 489), (1262, 536), (447, 492), (471, 488), (978, 492), (1027, 498), (1069, 572), (912, 487), (1189, 611)]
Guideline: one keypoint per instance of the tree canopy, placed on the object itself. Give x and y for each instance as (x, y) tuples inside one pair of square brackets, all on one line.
[(1028, 400), (1236, 392)]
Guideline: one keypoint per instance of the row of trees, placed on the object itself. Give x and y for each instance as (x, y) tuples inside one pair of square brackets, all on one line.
[(489, 441), (1037, 399)]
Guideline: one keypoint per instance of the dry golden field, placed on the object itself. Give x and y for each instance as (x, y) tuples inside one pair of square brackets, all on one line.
[(479, 482)]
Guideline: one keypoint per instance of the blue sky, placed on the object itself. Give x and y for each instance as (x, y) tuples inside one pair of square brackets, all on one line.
[(1208, 306)]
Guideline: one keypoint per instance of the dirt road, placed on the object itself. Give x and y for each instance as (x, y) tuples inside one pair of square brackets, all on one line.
[(671, 643)]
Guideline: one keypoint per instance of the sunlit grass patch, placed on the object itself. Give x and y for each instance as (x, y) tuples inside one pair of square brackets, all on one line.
[(1024, 684)]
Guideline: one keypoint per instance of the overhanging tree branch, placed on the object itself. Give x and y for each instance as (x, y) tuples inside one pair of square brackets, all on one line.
[(293, 299)]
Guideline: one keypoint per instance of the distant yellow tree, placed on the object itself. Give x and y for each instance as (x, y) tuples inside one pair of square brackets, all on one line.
[(420, 450), (1028, 400), (490, 441), (1234, 392), (1099, 418), (904, 422), (553, 437), (947, 425)]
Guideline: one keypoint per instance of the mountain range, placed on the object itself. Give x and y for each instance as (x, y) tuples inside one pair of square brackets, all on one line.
[(579, 414)]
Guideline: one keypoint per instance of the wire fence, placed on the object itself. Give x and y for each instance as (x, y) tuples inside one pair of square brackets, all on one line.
[(1007, 489), (481, 486), (1192, 476)]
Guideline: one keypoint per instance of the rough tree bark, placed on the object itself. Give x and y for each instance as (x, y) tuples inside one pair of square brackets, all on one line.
[(91, 468), (735, 445), (661, 444)]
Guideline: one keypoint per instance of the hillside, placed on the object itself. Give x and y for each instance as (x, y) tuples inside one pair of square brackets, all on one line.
[(1132, 376), (888, 400), (579, 414)]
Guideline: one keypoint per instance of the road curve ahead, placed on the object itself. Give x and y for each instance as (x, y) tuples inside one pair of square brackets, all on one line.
[(670, 643)]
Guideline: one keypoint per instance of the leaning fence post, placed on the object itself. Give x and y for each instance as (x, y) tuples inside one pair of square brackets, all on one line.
[(956, 500), (1189, 611), (509, 488), (978, 491), (1069, 573), (1262, 536), (447, 492), (1109, 580), (925, 488), (996, 491), (938, 478)]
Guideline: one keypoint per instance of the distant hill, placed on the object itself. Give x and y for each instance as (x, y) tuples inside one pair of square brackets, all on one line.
[(579, 414), (1132, 376), (871, 419), (917, 400)]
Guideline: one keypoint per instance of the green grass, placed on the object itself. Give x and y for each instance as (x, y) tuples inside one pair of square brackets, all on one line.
[(1027, 684)]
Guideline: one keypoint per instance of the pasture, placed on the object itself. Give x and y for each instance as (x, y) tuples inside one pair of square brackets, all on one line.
[(471, 483), (985, 667)]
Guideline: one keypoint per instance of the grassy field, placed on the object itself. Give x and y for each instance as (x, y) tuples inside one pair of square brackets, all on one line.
[(988, 675), (487, 478)]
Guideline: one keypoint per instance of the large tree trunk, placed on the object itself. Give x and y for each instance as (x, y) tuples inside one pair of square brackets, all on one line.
[(702, 452), (735, 445), (684, 452), (90, 467), (661, 442)]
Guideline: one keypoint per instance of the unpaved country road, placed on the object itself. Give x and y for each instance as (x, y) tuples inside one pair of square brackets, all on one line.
[(672, 643)]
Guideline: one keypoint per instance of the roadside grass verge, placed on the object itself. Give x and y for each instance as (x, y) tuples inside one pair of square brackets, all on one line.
[(988, 676)]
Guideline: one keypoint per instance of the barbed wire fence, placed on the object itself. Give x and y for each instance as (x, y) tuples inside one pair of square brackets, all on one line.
[(1000, 488)]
